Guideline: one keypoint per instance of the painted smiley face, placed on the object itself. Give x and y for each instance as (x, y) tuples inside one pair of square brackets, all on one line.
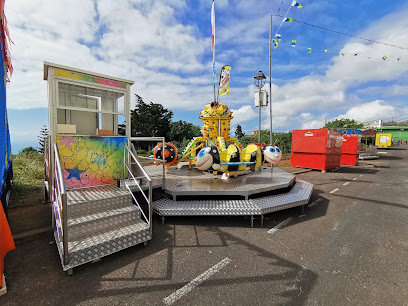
[(272, 154), (204, 159)]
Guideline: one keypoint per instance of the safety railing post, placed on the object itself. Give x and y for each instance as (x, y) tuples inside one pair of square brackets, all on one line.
[(124, 166), (65, 227), (164, 168), (150, 206)]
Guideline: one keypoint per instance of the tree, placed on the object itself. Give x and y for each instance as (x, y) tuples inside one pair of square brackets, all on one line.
[(42, 138), (150, 119), (122, 129), (282, 140), (238, 132), (29, 151), (343, 124), (181, 130)]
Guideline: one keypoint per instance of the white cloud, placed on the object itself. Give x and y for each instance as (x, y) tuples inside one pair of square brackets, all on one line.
[(151, 37), (141, 41), (67, 19), (385, 91), (245, 113), (144, 41), (308, 121), (370, 111)]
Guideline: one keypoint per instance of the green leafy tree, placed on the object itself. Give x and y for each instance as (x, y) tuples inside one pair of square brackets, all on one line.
[(282, 140), (42, 138), (238, 132), (150, 119), (122, 129), (343, 124), (29, 151), (181, 130)]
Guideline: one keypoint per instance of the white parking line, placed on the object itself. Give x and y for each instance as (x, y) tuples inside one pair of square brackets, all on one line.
[(195, 282), (334, 190), (355, 178), (361, 175), (315, 202), (346, 183), (277, 227)]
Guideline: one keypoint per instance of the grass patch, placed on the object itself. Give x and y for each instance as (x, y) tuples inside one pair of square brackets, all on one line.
[(28, 180)]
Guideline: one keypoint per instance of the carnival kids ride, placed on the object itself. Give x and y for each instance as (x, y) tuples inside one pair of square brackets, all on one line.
[(216, 152)]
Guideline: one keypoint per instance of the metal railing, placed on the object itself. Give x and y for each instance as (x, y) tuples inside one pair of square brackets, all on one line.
[(47, 177), (60, 205), (130, 159), (148, 160)]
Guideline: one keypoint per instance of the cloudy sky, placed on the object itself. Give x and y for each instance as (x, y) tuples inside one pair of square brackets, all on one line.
[(165, 47)]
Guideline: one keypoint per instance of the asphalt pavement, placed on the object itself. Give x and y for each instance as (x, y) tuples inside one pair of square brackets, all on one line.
[(350, 247)]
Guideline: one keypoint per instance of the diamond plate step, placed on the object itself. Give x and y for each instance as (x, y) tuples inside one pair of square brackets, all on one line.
[(81, 227), (106, 243), (297, 196), (94, 200)]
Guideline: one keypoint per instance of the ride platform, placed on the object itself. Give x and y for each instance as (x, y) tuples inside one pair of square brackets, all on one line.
[(198, 193)]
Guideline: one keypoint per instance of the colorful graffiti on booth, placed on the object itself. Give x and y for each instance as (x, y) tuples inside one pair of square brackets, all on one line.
[(88, 78), (91, 160)]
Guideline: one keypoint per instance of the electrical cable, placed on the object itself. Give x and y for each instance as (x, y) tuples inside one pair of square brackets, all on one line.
[(280, 7)]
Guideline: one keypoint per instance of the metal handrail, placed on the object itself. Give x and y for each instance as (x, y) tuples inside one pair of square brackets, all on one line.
[(127, 168), (60, 199), (160, 139), (59, 169), (137, 161), (47, 193)]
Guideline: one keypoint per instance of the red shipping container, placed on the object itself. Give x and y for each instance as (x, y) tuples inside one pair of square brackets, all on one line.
[(315, 161), (349, 159), (349, 150), (350, 145), (316, 149), (323, 141)]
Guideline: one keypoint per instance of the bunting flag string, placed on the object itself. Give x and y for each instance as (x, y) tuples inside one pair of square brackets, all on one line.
[(278, 37), (293, 4), (326, 50), (288, 19), (342, 54), (296, 4)]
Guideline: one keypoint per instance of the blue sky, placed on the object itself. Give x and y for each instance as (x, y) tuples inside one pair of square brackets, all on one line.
[(164, 46)]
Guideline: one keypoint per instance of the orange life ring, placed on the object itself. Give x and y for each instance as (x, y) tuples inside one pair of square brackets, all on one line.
[(170, 152)]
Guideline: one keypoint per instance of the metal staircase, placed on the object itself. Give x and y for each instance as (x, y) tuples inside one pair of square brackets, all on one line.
[(93, 222)]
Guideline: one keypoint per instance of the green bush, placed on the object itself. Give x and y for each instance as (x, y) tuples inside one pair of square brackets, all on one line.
[(28, 180), (29, 150), (140, 151)]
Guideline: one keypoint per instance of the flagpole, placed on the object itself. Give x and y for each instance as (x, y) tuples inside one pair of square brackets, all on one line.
[(213, 45), (270, 78)]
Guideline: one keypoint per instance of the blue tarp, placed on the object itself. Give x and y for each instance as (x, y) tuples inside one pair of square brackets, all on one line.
[(5, 147)]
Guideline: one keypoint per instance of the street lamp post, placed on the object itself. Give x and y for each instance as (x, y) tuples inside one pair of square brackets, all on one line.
[(259, 82)]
